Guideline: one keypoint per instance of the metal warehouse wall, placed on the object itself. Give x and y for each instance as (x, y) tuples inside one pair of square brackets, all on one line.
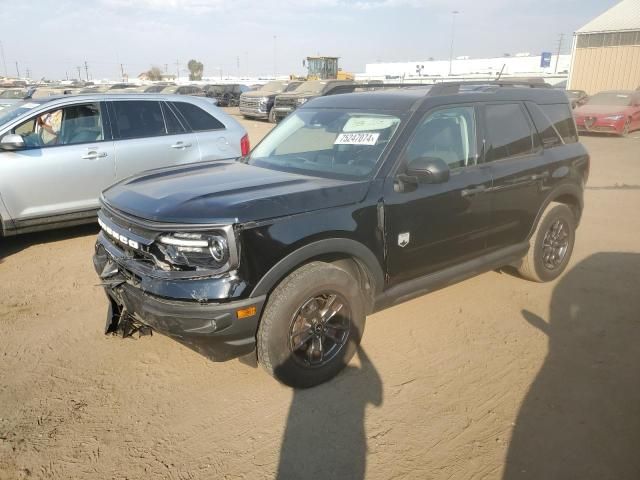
[(606, 68)]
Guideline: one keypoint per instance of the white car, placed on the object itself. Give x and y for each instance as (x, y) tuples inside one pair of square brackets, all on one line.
[(58, 154)]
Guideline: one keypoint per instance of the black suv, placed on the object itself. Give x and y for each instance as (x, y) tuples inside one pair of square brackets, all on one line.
[(354, 203)]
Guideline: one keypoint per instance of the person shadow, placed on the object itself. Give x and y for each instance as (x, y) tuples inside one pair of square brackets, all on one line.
[(325, 433), (581, 417)]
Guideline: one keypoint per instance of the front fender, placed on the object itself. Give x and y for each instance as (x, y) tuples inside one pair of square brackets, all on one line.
[(330, 246)]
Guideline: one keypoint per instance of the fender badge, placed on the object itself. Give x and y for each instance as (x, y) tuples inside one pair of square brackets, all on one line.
[(403, 239)]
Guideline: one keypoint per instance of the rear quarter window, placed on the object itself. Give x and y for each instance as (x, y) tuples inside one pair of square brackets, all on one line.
[(198, 119), (508, 130), (561, 118)]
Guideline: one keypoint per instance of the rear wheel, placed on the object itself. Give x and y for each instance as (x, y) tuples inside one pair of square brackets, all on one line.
[(551, 244), (311, 325)]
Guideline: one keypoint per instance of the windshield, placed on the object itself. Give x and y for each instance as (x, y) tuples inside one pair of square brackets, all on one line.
[(14, 111), (332, 143), (292, 86), (610, 98), (314, 86), (13, 94), (275, 87)]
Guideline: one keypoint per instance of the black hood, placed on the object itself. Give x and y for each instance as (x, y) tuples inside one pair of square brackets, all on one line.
[(227, 192)]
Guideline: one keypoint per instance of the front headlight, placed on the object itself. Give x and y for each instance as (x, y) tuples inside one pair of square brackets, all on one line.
[(198, 250), (302, 101), (264, 100), (614, 118)]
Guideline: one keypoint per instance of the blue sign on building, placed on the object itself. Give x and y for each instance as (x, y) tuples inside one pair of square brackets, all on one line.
[(545, 60)]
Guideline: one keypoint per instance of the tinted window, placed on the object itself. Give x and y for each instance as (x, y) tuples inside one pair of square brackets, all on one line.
[(139, 119), (63, 126), (197, 118), (508, 131), (448, 134), (562, 119), (173, 124)]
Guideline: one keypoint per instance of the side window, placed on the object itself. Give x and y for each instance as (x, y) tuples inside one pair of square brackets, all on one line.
[(448, 134), (509, 133), (138, 119), (562, 119), (173, 124), (63, 126), (197, 118)]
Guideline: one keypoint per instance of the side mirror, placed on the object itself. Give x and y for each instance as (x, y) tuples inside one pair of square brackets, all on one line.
[(12, 142), (429, 170)]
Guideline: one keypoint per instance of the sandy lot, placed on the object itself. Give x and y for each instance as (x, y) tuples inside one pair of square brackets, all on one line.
[(495, 377)]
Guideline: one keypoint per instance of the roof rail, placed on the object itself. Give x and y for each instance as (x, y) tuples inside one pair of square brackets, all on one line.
[(366, 87), (451, 88)]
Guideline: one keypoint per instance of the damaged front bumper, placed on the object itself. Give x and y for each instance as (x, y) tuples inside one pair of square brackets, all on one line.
[(219, 326)]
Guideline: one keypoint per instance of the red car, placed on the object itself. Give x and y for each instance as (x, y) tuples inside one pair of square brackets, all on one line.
[(613, 111)]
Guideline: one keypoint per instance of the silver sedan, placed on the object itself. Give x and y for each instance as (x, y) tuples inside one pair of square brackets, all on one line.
[(58, 154)]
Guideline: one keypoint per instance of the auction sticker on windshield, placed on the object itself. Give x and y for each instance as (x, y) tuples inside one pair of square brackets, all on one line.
[(362, 138)]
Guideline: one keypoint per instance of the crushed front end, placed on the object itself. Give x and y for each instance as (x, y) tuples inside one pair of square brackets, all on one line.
[(180, 280)]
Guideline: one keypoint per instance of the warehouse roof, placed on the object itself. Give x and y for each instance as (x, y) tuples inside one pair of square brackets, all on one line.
[(623, 16)]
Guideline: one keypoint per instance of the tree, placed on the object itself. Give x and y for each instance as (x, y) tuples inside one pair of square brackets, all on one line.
[(154, 73), (196, 69)]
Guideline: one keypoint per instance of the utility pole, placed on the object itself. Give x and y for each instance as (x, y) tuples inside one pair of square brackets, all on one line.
[(17, 70), (28, 73), (177, 69), (558, 54), (453, 32), (275, 65), (166, 68), (4, 63), (122, 72), (86, 70), (79, 74)]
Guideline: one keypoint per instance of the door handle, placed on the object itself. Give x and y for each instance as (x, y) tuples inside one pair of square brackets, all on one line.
[(92, 155), (467, 192), (180, 145)]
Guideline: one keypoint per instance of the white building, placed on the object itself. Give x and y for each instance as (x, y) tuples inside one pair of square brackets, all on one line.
[(521, 65)]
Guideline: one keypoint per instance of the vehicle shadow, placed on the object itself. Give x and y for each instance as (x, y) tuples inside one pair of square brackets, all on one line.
[(325, 434), (12, 245), (581, 416)]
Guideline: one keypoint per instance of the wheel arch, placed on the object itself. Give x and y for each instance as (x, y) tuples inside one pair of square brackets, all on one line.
[(568, 194), (349, 254)]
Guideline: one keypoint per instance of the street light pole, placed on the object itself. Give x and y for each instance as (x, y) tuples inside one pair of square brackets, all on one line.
[(453, 32), (4, 63)]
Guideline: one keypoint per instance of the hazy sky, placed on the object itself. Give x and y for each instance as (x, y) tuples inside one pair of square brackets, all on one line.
[(53, 37)]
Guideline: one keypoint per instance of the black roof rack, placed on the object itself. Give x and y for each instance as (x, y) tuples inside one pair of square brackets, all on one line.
[(451, 88), (367, 87)]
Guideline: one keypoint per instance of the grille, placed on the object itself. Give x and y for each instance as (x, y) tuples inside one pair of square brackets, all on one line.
[(252, 103), (286, 102)]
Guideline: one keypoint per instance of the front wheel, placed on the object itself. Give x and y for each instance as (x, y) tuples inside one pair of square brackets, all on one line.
[(311, 325), (626, 128), (272, 116), (551, 245)]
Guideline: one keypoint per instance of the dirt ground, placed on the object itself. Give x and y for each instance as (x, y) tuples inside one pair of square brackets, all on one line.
[(494, 377)]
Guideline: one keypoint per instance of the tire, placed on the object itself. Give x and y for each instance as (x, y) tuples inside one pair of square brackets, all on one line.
[(625, 128), (272, 116), (551, 244), (287, 312)]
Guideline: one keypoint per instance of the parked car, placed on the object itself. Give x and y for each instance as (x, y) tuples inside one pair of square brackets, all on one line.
[(259, 103), (58, 153), (192, 90), (613, 111), (11, 96), (227, 94), (286, 103), (352, 204), (577, 97)]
